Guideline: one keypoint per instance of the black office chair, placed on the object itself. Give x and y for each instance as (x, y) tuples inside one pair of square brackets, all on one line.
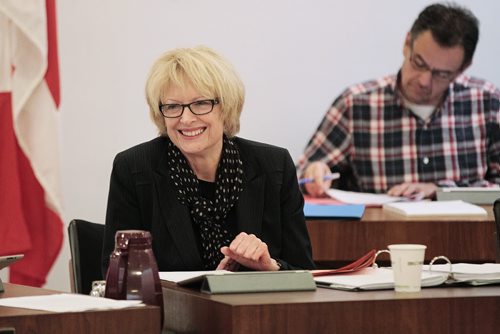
[(496, 212), (85, 240)]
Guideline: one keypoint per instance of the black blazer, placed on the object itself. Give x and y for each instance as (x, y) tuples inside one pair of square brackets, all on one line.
[(141, 196)]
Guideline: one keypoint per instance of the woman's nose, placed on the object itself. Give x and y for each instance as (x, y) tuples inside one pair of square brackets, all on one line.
[(187, 116)]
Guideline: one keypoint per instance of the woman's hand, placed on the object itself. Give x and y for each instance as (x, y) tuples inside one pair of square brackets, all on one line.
[(249, 251)]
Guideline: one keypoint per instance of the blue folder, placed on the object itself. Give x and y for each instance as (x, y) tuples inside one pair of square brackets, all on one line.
[(336, 211)]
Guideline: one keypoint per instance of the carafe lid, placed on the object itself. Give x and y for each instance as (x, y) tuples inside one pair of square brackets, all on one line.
[(122, 237)]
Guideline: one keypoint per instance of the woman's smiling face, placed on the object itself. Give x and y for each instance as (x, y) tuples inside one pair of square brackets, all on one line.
[(196, 136)]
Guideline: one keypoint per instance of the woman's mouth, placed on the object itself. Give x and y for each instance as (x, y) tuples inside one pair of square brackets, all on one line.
[(192, 133)]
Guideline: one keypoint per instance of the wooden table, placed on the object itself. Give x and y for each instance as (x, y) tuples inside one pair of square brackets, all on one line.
[(461, 239), (433, 310), (132, 320)]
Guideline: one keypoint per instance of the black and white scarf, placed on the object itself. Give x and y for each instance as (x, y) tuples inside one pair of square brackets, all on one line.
[(209, 215)]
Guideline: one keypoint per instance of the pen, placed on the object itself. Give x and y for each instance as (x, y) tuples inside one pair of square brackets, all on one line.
[(327, 177)]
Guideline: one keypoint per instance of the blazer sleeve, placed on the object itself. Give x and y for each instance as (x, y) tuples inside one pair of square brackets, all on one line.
[(123, 211), (296, 245)]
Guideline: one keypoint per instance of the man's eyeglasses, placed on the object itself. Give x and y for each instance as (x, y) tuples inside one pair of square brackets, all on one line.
[(175, 110), (421, 66)]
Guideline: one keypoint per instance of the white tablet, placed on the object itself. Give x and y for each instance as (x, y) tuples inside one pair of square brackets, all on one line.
[(9, 259)]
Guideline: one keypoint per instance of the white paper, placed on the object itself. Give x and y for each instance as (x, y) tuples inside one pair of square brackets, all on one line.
[(465, 272), (352, 197), (181, 276), (440, 208), (65, 302), (470, 189), (373, 279)]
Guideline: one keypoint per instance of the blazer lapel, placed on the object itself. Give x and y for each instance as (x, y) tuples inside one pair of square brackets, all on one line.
[(175, 216)]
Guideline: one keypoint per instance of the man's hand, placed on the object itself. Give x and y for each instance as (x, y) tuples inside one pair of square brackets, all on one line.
[(316, 171), (414, 190)]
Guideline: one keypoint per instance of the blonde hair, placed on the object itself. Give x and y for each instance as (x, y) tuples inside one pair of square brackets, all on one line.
[(209, 73)]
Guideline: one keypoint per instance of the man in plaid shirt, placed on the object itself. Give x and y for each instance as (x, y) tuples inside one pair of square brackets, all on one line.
[(425, 127)]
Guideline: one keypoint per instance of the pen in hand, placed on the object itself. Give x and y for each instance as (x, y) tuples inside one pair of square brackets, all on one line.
[(327, 177)]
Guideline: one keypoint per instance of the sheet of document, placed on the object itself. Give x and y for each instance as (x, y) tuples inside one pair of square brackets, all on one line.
[(322, 200), (373, 279), (352, 197), (66, 302), (181, 276)]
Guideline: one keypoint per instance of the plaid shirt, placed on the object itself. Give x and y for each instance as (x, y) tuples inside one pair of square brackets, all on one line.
[(370, 135)]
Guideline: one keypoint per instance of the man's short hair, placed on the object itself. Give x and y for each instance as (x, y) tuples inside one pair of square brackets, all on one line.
[(450, 25)]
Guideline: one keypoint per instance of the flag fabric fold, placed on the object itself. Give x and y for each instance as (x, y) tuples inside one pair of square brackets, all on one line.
[(30, 199)]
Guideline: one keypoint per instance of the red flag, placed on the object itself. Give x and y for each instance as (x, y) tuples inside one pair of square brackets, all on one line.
[(30, 200)]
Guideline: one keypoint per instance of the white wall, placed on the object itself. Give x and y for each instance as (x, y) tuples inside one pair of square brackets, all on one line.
[(295, 57)]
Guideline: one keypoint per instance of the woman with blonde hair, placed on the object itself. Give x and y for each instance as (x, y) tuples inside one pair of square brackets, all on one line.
[(211, 200)]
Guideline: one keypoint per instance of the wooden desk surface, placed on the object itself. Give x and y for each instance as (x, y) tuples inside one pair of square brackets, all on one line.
[(461, 239), (433, 310), (132, 320)]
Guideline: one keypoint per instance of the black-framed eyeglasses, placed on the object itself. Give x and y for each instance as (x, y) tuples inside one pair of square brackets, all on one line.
[(175, 110), (421, 66)]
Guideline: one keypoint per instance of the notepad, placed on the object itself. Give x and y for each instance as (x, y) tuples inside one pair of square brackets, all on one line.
[(435, 209)]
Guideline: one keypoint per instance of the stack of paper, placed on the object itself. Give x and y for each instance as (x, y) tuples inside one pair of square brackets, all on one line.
[(442, 208)]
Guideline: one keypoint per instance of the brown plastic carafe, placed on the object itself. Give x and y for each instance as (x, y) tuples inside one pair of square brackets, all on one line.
[(132, 271)]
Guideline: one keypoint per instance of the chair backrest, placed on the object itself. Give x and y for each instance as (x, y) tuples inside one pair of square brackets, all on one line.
[(85, 240), (496, 212)]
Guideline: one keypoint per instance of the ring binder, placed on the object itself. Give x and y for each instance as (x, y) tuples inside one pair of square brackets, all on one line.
[(442, 257), (373, 277), (375, 265)]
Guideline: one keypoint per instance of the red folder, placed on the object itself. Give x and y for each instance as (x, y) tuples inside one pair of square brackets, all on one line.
[(363, 262)]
